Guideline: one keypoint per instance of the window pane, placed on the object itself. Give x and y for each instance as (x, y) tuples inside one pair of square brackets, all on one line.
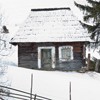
[(66, 53)]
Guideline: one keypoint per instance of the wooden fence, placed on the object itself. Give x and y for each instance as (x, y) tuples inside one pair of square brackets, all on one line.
[(21, 95)]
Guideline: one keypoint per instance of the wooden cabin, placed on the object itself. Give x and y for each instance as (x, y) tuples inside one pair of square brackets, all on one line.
[(51, 39)]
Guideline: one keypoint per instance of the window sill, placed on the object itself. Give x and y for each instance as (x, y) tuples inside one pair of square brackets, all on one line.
[(62, 60)]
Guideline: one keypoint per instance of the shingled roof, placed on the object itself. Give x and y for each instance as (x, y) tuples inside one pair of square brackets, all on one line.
[(51, 25)]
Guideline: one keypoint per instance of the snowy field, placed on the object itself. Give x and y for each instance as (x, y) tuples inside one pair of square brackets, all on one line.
[(55, 84)]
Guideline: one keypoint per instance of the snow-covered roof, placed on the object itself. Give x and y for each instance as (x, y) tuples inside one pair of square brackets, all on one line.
[(51, 25)]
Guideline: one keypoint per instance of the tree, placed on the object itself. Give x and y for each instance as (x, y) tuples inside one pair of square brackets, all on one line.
[(91, 14), (4, 49), (3, 41)]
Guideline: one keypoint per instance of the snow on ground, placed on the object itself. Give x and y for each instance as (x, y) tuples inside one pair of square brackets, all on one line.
[(55, 84)]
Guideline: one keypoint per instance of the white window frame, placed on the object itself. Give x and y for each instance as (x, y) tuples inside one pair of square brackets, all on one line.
[(60, 54), (52, 53)]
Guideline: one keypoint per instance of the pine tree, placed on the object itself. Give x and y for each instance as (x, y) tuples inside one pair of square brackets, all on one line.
[(91, 14)]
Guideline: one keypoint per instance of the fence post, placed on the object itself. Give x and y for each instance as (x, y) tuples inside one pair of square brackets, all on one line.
[(70, 91), (31, 86), (35, 97)]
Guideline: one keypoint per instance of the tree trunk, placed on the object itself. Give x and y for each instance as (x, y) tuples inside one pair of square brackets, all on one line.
[(88, 62)]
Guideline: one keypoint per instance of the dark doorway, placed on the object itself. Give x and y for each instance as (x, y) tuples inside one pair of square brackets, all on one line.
[(46, 59)]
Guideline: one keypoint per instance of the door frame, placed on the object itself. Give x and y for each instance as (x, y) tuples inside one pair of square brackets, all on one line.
[(52, 54)]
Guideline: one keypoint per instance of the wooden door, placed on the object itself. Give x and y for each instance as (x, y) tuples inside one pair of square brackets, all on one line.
[(46, 59)]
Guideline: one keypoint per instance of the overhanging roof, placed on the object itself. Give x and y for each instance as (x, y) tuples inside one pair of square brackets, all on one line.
[(51, 25)]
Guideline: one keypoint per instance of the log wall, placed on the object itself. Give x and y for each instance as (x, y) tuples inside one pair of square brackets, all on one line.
[(28, 55)]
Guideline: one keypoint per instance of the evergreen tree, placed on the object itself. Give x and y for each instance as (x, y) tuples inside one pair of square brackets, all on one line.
[(91, 14)]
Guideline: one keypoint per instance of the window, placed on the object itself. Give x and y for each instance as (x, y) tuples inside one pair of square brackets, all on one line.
[(65, 53)]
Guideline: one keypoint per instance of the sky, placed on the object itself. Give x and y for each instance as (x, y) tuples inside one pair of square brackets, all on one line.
[(16, 11)]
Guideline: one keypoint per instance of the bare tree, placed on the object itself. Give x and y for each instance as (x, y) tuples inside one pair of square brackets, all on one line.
[(4, 51)]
